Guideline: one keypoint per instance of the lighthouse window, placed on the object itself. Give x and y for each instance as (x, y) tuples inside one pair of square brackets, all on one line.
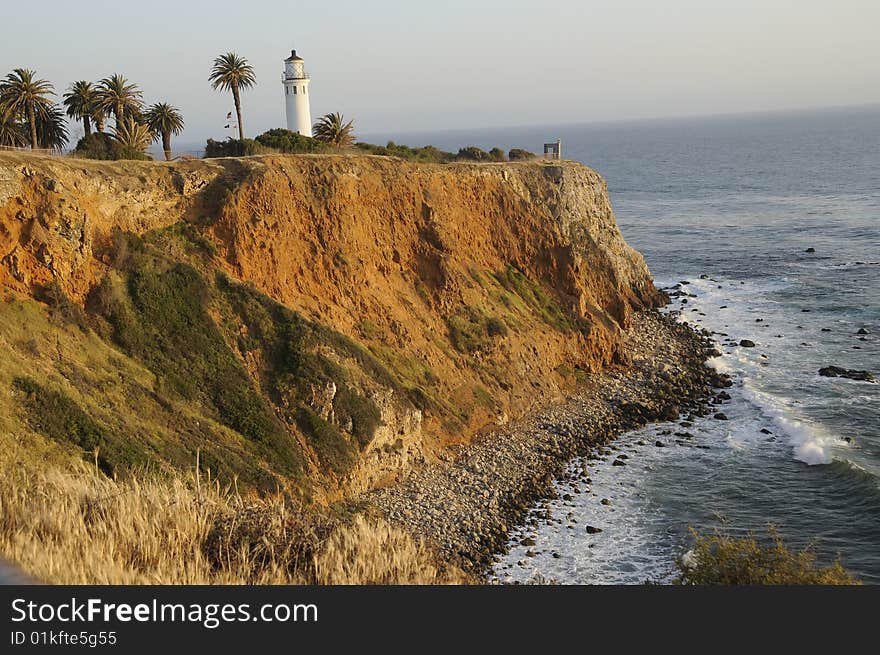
[(294, 90)]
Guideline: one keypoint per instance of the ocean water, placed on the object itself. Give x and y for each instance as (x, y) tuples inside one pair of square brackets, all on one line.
[(730, 205)]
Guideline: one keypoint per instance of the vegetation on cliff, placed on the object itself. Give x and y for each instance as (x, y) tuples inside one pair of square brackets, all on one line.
[(342, 358)]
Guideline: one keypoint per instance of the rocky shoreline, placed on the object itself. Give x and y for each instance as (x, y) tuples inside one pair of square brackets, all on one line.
[(467, 507)]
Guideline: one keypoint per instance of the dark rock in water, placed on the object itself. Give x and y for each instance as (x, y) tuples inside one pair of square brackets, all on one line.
[(704, 277), (605, 501), (806, 311), (591, 529), (723, 395), (618, 462), (566, 496), (720, 416), (848, 439), (811, 250), (862, 331), (759, 320), (528, 541), (659, 444), (826, 329), (765, 431), (684, 282), (556, 556), (747, 343), (852, 374)]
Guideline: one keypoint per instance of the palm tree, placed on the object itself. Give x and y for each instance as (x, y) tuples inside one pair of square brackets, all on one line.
[(164, 120), (51, 127), (333, 129), (118, 96), (22, 94), (233, 73), (81, 100), (133, 136), (12, 131)]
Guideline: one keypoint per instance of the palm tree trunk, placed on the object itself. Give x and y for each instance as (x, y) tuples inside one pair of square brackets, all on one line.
[(166, 145), (120, 111), (99, 122), (87, 126), (237, 100), (32, 119)]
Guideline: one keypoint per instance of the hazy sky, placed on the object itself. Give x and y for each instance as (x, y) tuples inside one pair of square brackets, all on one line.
[(395, 65)]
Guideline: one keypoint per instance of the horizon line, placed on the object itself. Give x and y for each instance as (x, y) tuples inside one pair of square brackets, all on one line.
[(647, 119)]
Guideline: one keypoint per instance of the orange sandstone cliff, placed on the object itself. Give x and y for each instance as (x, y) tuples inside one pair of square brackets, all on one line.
[(317, 322)]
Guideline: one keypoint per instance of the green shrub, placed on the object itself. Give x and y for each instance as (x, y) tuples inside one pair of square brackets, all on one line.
[(61, 307), (495, 327), (294, 354), (290, 142), (235, 148), (518, 154), (473, 153), (157, 313), (58, 417), (723, 560), (472, 331), (334, 450), (102, 146), (425, 154), (534, 296), (497, 154), (363, 412)]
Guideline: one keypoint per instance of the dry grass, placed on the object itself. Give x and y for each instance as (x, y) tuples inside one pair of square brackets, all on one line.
[(76, 526), (370, 552)]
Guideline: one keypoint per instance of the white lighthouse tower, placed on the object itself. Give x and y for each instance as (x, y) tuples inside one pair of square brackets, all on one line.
[(296, 95)]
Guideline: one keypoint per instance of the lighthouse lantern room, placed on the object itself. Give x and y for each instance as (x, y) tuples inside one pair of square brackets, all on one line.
[(296, 95)]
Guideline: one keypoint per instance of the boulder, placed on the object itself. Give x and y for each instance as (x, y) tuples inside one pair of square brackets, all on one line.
[(852, 374)]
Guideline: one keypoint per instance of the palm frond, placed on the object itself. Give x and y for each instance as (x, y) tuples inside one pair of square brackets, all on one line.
[(118, 96), (162, 118), (230, 71), (332, 129), (133, 135)]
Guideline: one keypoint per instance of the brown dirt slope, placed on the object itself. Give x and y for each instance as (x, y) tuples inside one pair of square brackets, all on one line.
[(438, 299)]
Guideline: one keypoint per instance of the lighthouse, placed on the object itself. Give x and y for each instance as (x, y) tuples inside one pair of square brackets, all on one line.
[(296, 95)]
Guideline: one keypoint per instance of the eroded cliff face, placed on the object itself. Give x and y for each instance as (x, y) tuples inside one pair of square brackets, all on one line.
[(436, 300)]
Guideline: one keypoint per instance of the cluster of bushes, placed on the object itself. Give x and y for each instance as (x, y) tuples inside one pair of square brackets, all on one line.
[(235, 148), (290, 142), (102, 146), (287, 142), (430, 154), (273, 141)]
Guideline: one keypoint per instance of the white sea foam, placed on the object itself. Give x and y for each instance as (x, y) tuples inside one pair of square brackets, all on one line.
[(743, 303)]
